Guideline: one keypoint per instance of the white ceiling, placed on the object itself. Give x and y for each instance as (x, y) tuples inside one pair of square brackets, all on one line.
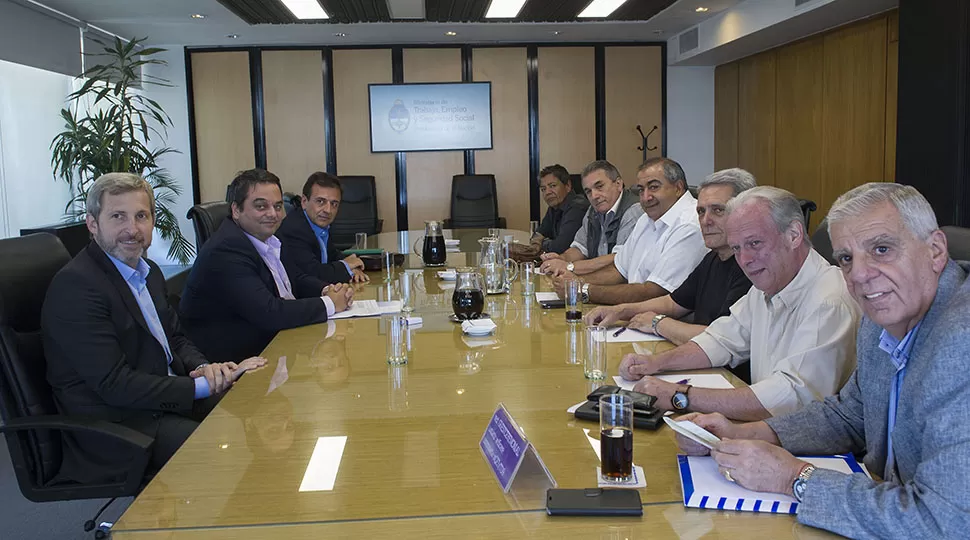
[(168, 22)]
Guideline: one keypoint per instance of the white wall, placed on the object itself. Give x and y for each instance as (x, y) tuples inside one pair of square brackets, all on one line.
[(690, 120), (30, 104)]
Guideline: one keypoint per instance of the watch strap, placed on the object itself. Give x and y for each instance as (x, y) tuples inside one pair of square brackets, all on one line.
[(656, 322)]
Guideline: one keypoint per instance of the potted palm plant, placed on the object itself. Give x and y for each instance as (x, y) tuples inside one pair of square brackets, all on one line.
[(111, 126)]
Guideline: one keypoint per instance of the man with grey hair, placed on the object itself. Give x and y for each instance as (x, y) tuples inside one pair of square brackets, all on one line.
[(710, 290), (612, 215), (663, 248), (114, 346), (905, 407), (796, 326)]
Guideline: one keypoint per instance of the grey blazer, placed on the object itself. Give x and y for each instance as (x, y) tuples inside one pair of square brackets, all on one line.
[(931, 439)]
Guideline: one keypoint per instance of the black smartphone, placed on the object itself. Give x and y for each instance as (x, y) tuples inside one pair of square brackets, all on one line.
[(593, 502), (553, 304)]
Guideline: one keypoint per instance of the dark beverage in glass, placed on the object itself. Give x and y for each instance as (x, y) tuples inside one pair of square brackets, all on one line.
[(468, 304), (574, 315), (616, 453), (434, 251)]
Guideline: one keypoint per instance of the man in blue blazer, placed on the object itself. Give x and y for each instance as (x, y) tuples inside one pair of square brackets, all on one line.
[(239, 295), (305, 236), (905, 409), (115, 350)]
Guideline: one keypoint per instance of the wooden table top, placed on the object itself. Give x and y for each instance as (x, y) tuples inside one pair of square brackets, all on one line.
[(409, 436)]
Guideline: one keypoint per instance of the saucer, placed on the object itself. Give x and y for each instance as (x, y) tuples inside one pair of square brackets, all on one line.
[(454, 318)]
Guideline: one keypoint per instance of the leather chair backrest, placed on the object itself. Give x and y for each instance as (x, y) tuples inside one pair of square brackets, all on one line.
[(807, 208), (821, 241), (27, 266), (577, 184), (206, 218), (958, 242), (694, 191), (474, 203), (358, 210)]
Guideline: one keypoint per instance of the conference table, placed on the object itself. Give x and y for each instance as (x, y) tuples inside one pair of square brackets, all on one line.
[(328, 440)]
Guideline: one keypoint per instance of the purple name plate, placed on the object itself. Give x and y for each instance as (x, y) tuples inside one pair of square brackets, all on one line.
[(503, 447)]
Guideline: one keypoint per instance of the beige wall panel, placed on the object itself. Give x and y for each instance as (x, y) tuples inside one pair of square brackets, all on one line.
[(509, 158), (567, 108), (726, 116), (634, 95), (223, 119), (892, 82), (854, 114), (756, 116), (353, 70), (798, 121), (294, 115), (430, 173)]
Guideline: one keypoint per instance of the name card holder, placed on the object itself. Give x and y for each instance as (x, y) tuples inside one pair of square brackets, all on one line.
[(509, 453)]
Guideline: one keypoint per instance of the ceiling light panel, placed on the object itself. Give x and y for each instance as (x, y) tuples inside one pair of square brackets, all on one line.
[(406, 9), (305, 9), (504, 9), (601, 8)]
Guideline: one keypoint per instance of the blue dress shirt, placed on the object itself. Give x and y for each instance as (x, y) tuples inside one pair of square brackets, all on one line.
[(898, 350), (136, 280), (323, 234)]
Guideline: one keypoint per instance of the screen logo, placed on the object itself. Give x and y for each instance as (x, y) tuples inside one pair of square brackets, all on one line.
[(398, 117)]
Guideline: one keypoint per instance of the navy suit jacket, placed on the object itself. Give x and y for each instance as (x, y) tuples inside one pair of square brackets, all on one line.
[(301, 253), (103, 362), (231, 306)]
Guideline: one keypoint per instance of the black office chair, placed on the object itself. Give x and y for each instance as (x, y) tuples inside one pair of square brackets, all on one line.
[(31, 422), (576, 181), (957, 242), (822, 243), (474, 203), (357, 212), (694, 190), (807, 208), (292, 202), (206, 218)]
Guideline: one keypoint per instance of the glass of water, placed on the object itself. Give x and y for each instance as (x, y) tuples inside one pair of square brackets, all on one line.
[(397, 351), (527, 278), (533, 228), (595, 365), (360, 240), (387, 264), (406, 283)]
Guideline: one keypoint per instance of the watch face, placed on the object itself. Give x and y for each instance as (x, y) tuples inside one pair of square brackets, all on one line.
[(679, 401), (799, 489)]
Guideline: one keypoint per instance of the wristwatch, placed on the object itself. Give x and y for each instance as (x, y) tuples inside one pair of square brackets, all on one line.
[(570, 267), (679, 400), (584, 289), (801, 482), (656, 321)]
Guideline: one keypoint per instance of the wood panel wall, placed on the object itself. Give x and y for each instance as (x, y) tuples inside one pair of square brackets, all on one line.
[(633, 96), (294, 116), (816, 117), (430, 173), (355, 69), (509, 158), (223, 119)]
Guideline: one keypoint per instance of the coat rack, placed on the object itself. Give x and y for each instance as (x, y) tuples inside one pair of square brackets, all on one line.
[(643, 147)]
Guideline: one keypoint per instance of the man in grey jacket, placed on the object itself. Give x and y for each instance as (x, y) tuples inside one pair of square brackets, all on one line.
[(907, 406)]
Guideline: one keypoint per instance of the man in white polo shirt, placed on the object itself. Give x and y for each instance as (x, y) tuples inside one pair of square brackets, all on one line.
[(663, 248)]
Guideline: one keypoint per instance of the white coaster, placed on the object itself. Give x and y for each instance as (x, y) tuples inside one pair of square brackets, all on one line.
[(637, 481)]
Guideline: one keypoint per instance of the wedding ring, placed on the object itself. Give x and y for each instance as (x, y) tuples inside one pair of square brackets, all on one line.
[(727, 476)]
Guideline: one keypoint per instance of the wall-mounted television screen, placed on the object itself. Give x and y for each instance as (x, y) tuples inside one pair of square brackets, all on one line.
[(430, 116)]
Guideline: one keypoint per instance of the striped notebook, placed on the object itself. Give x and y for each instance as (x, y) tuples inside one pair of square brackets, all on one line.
[(704, 487)]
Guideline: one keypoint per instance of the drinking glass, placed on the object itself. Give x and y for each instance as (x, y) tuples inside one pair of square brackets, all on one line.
[(533, 228), (573, 291), (360, 240), (595, 366), (406, 280), (494, 233), (616, 438), (387, 264), (527, 278), (397, 352)]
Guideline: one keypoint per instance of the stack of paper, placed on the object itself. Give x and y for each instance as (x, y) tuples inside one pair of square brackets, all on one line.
[(451, 245), (369, 308), (700, 380), (546, 297)]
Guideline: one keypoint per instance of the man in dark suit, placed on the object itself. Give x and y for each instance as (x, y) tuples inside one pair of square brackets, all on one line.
[(305, 236), (114, 347), (239, 295)]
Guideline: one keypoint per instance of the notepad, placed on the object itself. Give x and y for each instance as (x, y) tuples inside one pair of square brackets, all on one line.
[(703, 486), (699, 380), (629, 336), (369, 308), (546, 297)]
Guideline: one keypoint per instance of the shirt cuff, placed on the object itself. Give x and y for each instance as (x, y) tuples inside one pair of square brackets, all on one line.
[(713, 349), (331, 309), (350, 271), (776, 394), (202, 389)]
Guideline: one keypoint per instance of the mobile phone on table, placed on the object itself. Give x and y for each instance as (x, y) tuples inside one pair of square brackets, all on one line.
[(553, 304), (593, 502)]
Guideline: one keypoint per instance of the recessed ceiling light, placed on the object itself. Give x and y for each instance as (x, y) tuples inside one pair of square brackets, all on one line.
[(339, 34), (601, 8), (658, 32), (450, 33), (305, 9), (232, 36), (197, 16), (555, 32), (701, 9), (504, 9)]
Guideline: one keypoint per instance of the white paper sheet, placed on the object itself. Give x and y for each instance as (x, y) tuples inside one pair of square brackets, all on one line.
[(546, 297), (629, 336), (369, 308), (700, 380)]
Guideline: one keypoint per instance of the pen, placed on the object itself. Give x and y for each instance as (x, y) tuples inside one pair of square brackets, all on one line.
[(618, 332), (683, 381)]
